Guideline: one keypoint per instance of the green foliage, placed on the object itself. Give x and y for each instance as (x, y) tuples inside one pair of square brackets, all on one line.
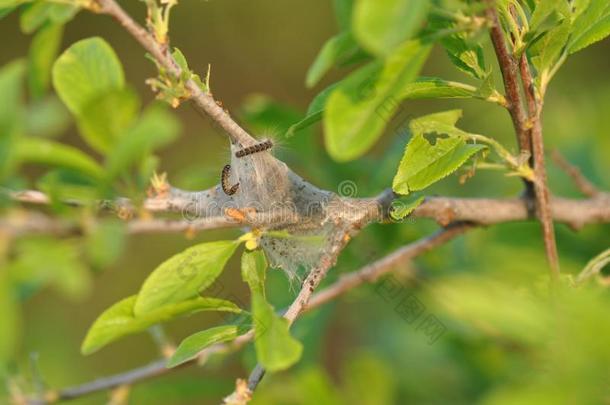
[(105, 243), (39, 12), (401, 209), (382, 25), (361, 105), (429, 159), (9, 321), (192, 345), (337, 49), (591, 25), (85, 71), (42, 261), (275, 348), (183, 276), (96, 125), (121, 319), (11, 109), (43, 51), (47, 152), (154, 129)]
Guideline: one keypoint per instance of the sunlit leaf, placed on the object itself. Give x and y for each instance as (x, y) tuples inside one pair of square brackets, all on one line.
[(339, 47), (184, 275), (85, 71), (42, 54), (106, 118), (155, 128), (47, 152), (427, 160), (382, 25), (358, 110), (119, 320), (192, 345), (275, 348)]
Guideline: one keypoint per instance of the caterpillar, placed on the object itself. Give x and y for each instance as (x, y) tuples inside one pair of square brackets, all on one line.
[(259, 147), (224, 181)]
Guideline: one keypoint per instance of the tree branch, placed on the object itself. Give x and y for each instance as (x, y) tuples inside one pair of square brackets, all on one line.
[(580, 181), (543, 208), (204, 101), (367, 274), (508, 67)]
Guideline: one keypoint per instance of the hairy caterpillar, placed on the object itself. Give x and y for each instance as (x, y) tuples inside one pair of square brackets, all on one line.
[(259, 147), (224, 181)]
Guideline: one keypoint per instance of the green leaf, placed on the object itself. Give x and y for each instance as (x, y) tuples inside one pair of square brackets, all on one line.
[(11, 113), (275, 348), (544, 9), (156, 128), (9, 320), (382, 25), (184, 275), (343, 13), (400, 208), (433, 87), (46, 261), (428, 160), (85, 71), (358, 110), (119, 320), (47, 152), (465, 55), (190, 347), (41, 11), (591, 26), (47, 117), (106, 118), (43, 51), (105, 242), (338, 48), (545, 51), (314, 111)]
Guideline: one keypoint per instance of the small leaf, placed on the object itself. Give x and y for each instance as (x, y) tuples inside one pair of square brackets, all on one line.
[(119, 320), (85, 71), (156, 128), (47, 117), (106, 118), (43, 51), (47, 152), (545, 51), (190, 347), (465, 55), (427, 161), (382, 25), (275, 348), (358, 110), (433, 87), (41, 11), (184, 275), (314, 111), (11, 112), (343, 12), (592, 26), (105, 242), (400, 209), (336, 49)]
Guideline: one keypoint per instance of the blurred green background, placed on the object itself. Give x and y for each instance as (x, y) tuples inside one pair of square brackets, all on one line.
[(359, 350)]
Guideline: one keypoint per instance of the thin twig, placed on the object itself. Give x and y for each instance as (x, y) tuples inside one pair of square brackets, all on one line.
[(204, 101), (508, 67), (580, 181), (541, 188), (366, 274)]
